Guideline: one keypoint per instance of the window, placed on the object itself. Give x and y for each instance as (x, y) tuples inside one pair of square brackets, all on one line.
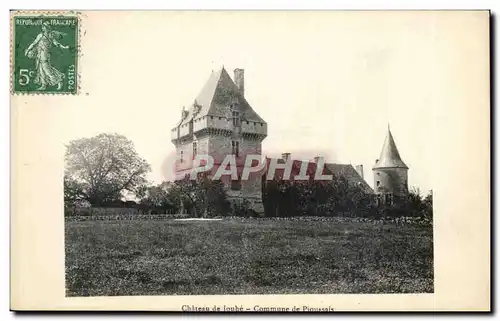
[(182, 156), (236, 118), (388, 199), (195, 149), (236, 148), (378, 183)]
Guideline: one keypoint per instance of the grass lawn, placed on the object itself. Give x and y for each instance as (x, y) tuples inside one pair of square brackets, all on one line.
[(246, 257)]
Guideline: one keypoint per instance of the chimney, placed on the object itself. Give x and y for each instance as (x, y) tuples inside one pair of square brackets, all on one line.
[(239, 80), (359, 169), (285, 156)]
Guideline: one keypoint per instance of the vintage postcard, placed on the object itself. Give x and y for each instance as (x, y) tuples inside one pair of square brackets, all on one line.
[(250, 161)]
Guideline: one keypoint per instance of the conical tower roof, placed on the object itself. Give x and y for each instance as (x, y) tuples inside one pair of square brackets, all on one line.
[(389, 157)]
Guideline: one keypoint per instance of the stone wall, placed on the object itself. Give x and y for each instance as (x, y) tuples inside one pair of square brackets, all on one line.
[(391, 180), (218, 146), (251, 189)]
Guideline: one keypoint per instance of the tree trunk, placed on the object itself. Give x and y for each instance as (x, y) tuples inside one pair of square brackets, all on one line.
[(205, 211)]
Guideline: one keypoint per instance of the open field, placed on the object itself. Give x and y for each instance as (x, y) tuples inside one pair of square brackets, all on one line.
[(246, 257)]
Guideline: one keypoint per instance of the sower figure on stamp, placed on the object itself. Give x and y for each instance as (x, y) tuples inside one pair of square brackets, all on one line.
[(46, 74)]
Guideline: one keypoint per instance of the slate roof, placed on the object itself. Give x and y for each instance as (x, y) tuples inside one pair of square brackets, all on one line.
[(216, 96), (389, 157), (339, 170), (349, 172)]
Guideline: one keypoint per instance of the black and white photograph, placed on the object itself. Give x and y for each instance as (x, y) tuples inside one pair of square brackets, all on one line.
[(272, 153), (261, 191)]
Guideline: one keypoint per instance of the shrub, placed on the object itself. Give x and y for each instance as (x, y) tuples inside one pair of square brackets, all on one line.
[(242, 209)]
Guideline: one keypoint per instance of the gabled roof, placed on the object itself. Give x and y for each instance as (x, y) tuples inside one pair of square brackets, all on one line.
[(346, 171), (349, 172), (216, 96), (389, 157)]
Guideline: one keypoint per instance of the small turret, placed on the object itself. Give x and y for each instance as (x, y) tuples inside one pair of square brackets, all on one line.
[(390, 172)]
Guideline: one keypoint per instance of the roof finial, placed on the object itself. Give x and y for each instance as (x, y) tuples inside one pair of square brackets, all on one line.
[(388, 126)]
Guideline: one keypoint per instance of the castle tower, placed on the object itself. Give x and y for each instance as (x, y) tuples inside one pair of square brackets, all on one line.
[(390, 173), (220, 122)]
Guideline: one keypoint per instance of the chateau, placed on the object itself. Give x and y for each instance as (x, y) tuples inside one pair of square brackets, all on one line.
[(220, 122)]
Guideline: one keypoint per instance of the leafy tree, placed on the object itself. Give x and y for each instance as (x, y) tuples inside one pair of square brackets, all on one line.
[(337, 197), (242, 208), (412, 205), (100, 168), (316, 198), (201, 197), (156, 198), (414, 202), (428, 206), (72, 191)]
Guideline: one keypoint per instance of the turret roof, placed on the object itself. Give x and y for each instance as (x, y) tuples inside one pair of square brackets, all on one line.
[(389, 157)]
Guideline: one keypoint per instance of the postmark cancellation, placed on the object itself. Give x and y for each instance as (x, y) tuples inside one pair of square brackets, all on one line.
[(44, 52)]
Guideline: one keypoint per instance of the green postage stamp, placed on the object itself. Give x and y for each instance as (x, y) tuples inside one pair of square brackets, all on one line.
[(45, 54)]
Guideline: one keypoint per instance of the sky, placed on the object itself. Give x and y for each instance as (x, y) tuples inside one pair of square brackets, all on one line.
[(326, 83)]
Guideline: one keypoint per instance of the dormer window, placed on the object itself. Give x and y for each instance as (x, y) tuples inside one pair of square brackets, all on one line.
[(184, 113), (196, 108)]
